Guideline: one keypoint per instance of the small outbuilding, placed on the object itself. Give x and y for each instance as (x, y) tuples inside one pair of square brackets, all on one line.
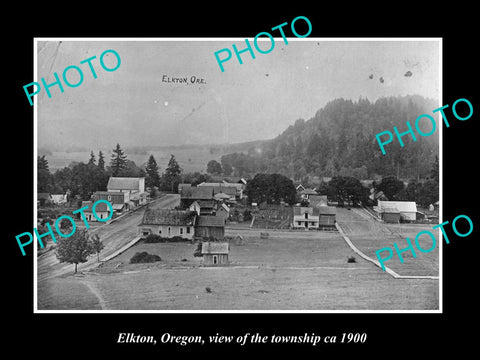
[(215, 253)]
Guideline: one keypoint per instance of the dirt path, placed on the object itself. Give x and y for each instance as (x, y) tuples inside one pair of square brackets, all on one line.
[(114, 236)]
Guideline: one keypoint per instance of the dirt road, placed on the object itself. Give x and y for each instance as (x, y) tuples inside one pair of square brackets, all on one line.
[(113, 236)]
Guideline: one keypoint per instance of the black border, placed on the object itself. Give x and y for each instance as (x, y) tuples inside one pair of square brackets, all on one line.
[(388, 334)]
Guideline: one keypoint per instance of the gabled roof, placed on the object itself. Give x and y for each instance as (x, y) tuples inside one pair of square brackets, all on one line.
[(222, 185), (197, 193), (210, 247), (43, 196), (318, 200), (100, 207), (301, 210), (220, 188), (210, 221), (308, 192), (402, 206), (123, 183), (169, 217), (326, 210)]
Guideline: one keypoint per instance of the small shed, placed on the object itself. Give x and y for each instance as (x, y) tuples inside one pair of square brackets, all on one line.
[(215, 253)]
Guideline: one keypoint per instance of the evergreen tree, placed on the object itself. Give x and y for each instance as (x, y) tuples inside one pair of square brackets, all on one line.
[(118, 161), (435, 171), (172, 174), (42, 163), (152, 177), (101, 161), (91, 161), (44, 178)]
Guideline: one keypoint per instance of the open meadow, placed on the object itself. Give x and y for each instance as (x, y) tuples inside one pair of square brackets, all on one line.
[(288, 271)]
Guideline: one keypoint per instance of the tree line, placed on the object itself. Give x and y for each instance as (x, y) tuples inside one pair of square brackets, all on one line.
[(83, 179), (340, 141)]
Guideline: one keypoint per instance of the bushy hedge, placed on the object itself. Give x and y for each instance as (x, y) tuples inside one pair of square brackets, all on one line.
[(154, 238), (144, 257)]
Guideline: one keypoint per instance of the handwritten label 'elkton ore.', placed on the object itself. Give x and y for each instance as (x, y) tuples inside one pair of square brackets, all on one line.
[(183, 80)]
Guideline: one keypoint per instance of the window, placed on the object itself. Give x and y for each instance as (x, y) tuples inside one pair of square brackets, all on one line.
[(188, 229), (215, 260), (160, 231), (181, 231), (299, 222), (169, 230), (306, 215)]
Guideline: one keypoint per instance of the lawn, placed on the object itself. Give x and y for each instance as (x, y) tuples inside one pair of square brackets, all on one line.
[(288, 271)]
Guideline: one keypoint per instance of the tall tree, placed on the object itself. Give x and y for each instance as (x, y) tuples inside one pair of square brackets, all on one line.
[(390, 186), (91, 161), (44, 178), (435, 171), (42, 163), (74, 249), (153, 178), (118, 161), (172, 174), (214, 167), (101, 161)]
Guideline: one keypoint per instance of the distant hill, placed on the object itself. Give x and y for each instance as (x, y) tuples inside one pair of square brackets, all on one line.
[(340, 140)]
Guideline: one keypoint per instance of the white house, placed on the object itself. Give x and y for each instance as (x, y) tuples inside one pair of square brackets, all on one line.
[(407, 209), (134, 188), (168, 223), (101, 210), (306, 217)]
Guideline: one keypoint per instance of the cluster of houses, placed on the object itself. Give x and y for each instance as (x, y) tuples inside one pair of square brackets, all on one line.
[(317, 215), (123, 193)]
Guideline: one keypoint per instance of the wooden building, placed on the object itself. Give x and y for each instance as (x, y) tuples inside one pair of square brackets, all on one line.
[(210, 226), (215, 253), (327, 216), (406, 209), (305, 217), (168, 223)]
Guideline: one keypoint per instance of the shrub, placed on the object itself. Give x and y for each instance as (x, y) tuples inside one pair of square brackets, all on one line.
[(154, 238), (144, 257), (351, 259)]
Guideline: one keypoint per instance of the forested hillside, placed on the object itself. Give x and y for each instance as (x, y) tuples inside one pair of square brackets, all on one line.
[(340, 140)]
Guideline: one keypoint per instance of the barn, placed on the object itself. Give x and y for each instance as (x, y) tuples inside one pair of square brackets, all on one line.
[(215, 253), (407, 209), (210, 226)]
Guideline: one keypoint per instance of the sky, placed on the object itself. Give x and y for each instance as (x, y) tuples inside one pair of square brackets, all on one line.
[(136, 106)]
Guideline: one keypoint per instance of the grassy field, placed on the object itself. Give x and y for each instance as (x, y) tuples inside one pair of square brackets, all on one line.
[(288, 271), (369, 236)]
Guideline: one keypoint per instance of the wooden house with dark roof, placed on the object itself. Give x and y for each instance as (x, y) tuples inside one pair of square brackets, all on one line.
[(168, 223), (191, 194), (210, 227)]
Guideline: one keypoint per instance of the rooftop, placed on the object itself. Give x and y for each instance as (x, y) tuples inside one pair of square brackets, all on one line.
[(169, 217), (123, 183), (210, 247), (210, 221)]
